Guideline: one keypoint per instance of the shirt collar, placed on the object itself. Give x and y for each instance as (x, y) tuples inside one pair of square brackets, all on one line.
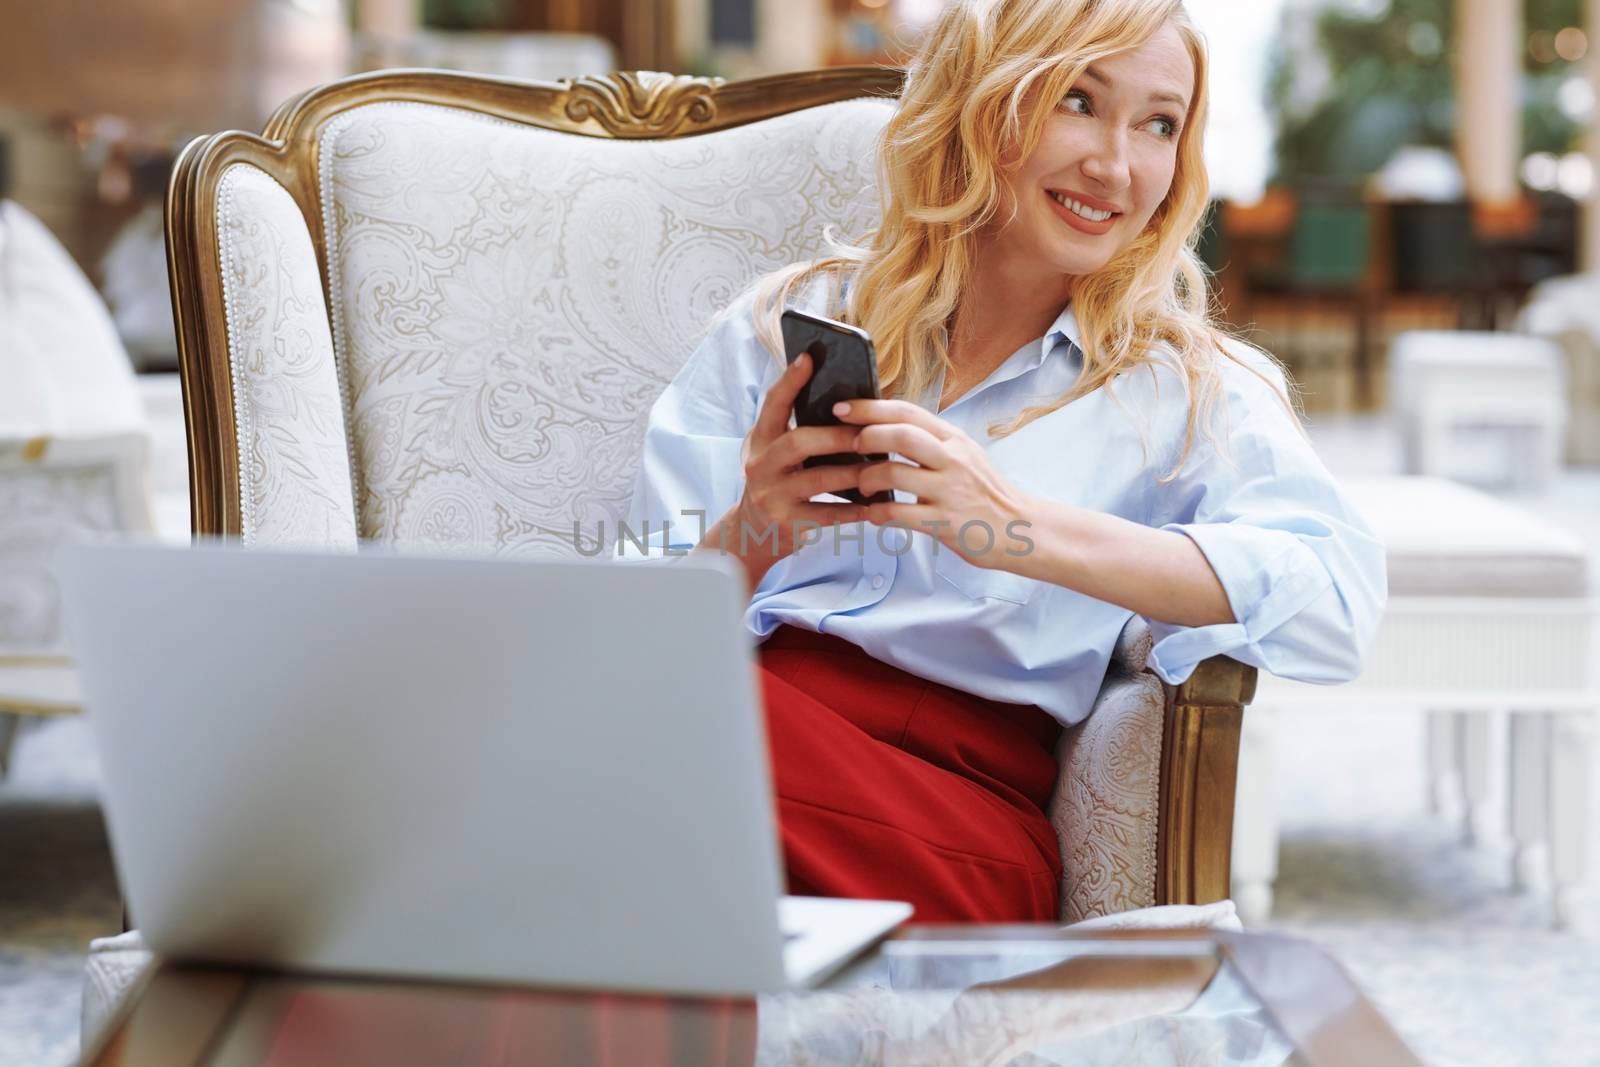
[(1035, 354), (1028, 358), (1065, 327)]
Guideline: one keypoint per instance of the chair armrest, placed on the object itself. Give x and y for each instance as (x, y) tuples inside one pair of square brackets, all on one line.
[(1132, 650), (1107, 802), (1143, 805), (1199, 770)]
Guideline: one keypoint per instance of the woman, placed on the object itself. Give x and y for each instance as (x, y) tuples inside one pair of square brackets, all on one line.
[(1072, 441)]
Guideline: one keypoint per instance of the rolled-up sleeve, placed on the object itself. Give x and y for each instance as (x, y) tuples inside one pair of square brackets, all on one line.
[(691, 471), (1303, 573)]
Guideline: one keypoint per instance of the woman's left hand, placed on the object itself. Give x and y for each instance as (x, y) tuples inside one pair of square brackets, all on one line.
[(961, 499)]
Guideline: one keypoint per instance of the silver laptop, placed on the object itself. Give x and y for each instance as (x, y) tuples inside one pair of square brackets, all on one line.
[(542, 772)]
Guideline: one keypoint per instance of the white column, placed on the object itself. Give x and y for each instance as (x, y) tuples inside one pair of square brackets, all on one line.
[(791, 34), (1488, 97), (388, 18), (302, 45), (693, 30), (386, 26)]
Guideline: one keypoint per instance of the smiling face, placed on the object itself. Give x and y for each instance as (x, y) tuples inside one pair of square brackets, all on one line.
[(1103, 164)]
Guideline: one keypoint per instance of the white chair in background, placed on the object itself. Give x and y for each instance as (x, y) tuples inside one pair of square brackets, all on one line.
[(54, 491), (1566, 310), (74, 455), (1505, 389), (1490, 611)]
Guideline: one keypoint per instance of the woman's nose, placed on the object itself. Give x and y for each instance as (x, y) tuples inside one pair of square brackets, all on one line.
[(1108, 163)]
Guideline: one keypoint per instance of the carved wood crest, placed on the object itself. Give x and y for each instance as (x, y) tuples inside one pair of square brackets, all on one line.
[(643, 103)]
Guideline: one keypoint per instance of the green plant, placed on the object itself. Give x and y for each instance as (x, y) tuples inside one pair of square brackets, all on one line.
[(1390, 82), (466, 14)]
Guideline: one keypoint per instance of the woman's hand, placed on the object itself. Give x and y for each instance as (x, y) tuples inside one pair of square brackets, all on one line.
[(961, 499), (776, 509), (1160, 574)]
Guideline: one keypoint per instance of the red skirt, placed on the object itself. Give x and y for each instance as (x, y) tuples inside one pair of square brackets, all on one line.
[(893, 787)]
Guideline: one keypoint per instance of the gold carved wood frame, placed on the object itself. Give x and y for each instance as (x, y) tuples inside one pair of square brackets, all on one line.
[(1200, 746)]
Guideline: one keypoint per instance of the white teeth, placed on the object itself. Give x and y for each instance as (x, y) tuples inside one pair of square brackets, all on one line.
[(1080, 210)]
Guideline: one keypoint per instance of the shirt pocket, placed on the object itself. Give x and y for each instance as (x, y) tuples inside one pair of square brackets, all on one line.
[(982, 583)]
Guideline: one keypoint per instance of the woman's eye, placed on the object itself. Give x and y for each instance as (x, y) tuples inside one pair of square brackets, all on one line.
[(1077, 102), (1166, 129)]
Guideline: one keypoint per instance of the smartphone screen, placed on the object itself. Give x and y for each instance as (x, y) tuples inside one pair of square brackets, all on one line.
[(844, 366)]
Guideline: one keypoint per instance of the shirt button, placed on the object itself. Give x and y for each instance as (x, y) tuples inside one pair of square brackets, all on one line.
[(877, 581)]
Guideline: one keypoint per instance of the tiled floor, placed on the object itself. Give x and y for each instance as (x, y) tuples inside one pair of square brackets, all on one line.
[(1469, 972)]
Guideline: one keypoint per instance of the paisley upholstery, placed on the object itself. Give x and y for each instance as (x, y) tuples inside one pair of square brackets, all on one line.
[(1106, 806), (510, 301), (507, 304), (294, 467)]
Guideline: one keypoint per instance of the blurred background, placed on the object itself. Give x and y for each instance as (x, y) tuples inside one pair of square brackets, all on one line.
[(1379, 165), (1405, 214)]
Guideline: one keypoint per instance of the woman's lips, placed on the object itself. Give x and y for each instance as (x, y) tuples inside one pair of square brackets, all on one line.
[(1078, 222)]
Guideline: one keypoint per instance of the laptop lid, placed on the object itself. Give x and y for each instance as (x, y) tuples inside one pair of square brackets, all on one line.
[(528, 771)]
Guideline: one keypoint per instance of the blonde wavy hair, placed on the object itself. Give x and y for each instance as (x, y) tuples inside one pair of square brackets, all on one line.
[(962, 113)]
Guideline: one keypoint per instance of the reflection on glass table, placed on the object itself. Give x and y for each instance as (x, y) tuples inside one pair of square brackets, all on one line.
[(1028, 995)]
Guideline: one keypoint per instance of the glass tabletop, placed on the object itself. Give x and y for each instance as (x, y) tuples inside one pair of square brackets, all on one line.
[(1029, 996)]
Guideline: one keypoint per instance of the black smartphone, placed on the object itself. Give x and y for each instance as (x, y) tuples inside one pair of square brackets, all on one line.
[(844, 366)]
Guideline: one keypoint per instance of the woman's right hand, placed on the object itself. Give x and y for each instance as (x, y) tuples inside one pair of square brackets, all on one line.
[(776, 509)]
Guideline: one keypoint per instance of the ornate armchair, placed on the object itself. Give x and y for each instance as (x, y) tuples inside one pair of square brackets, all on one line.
[(435, 309)]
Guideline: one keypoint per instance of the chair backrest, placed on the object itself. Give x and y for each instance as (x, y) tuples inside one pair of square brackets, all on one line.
[(428, 308)]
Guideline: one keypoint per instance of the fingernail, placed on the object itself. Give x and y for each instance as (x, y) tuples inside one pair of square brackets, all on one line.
[(841, 408)]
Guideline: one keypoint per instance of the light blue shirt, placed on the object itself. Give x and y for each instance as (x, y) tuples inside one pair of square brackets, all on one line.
[(1303, 573)]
